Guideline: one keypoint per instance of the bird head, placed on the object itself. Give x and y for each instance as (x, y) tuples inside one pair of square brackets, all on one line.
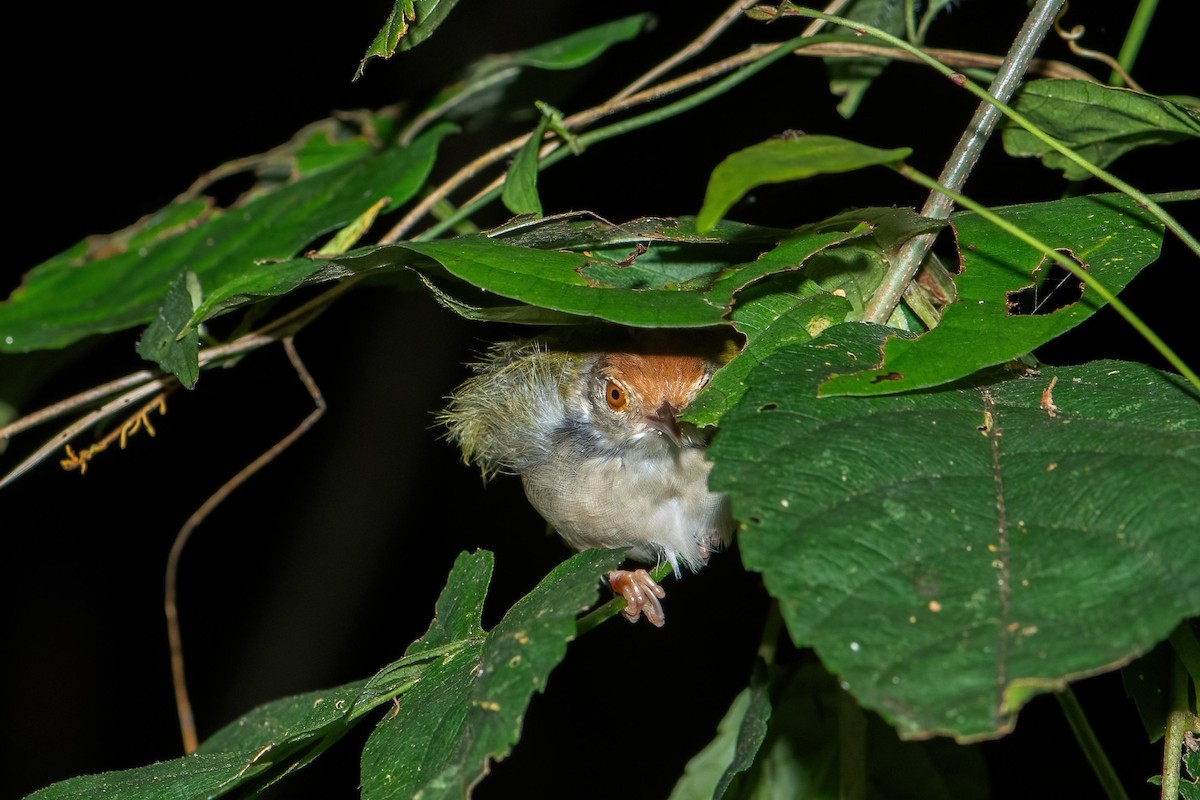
[(636, 395)]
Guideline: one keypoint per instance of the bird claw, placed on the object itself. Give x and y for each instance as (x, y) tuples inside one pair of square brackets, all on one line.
[(641, 593)]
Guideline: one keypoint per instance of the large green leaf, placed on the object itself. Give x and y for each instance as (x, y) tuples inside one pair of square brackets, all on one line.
[(60, 303), (466, 711), (949, 554), (1108, 234), (1100, 123)]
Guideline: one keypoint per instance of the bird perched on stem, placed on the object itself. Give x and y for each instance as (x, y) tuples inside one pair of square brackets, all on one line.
[(592, 429)]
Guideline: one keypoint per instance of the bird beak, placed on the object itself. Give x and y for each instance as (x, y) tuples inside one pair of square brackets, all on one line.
[(664, 421)]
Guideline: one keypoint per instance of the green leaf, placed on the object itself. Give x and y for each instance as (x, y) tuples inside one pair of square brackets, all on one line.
[(409, 23), (581, 48), (1101, 123), (950, 554), (782, 160), (59, 304), (752, 730), (520, 195), (159, 343), (557, 282), (981, 329), (500, 83), (348, 236), (1189, 784), (690, 287), (466, 711)]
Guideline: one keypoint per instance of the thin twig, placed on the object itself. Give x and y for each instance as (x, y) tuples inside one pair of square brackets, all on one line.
[(938, 206), (764, 55), (1066, 263), (146, 383), (1139, 197), (615, 604), (93, 395), (956, 58), (694, 47), (622, 100), (187, 722), (697, 45), (1072, 38), (572, 123), (88, 420), (1179, 720), (959, 59)]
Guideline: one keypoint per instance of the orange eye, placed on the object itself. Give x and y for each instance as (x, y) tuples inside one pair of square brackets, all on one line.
[(615, 396)]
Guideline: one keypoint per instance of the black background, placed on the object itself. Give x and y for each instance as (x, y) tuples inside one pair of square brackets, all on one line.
[(326, 565)]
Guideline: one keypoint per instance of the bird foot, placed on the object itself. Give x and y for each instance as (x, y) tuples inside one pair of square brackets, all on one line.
[(641, 594)]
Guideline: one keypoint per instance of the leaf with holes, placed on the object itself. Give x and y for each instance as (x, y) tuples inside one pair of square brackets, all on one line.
[(1002, 311), (950, 554)]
